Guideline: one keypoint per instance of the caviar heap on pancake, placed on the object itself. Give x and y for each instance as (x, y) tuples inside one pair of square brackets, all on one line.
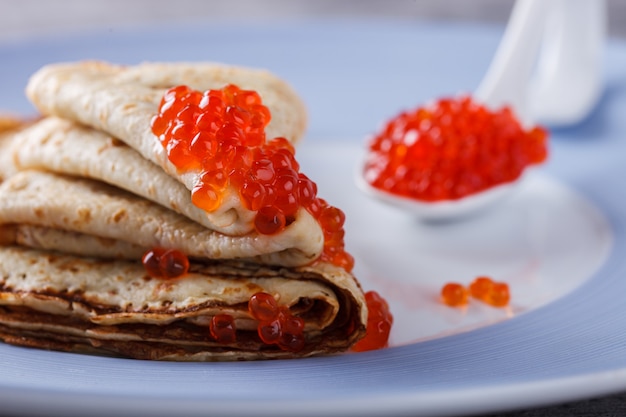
[(451, 149), (221, 134)]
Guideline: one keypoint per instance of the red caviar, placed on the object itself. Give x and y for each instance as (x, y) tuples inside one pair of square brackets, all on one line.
[(450, 149), (491, 292), (263, 307), (165, 263), (499, 295), (379, 321), (221, 134), (482, 288), (277, 326), (454, 294), (222, 328)]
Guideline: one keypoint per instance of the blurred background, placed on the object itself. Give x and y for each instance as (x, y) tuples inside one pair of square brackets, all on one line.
[(21, 19)]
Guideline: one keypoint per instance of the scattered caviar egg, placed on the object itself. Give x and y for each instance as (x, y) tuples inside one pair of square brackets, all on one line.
[(221, 135), (165, 263), (150, 262), (263, 306), (270, 331), (451, 149), (481, 287), (491, 292), (292, 332), (499, 295), (222, 328), (276, 324), (454, 294), (379, 321)]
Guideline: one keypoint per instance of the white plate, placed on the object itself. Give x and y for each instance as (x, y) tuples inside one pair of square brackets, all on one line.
[(559, 243)]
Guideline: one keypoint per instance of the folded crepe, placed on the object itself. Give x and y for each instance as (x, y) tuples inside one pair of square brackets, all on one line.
[(88, 190), (122, 100), (53, 145)]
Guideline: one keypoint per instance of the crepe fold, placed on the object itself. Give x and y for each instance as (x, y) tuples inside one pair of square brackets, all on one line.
[(121, 101), (85, 192), (53, 146)]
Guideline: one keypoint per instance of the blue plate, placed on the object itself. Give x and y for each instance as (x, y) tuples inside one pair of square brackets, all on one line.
[(353, 75)]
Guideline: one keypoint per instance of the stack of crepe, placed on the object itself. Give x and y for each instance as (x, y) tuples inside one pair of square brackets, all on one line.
[(87, 190)]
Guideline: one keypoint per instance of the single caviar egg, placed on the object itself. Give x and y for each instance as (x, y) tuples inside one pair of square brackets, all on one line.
[(499, 295), (263, 307), (481, 287), (454, 294), (165, 263), (222, 328), (451, 149)]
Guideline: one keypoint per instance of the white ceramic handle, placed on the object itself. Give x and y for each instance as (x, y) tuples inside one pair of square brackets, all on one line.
[(507, 79), (568, 37), (569, 80)]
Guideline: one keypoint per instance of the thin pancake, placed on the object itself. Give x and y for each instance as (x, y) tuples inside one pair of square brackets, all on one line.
[(59, 145), (78, 208), (82, 304), (122, 101), (77, 205)]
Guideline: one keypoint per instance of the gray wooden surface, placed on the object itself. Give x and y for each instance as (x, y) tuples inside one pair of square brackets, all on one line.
[(23, 19)]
